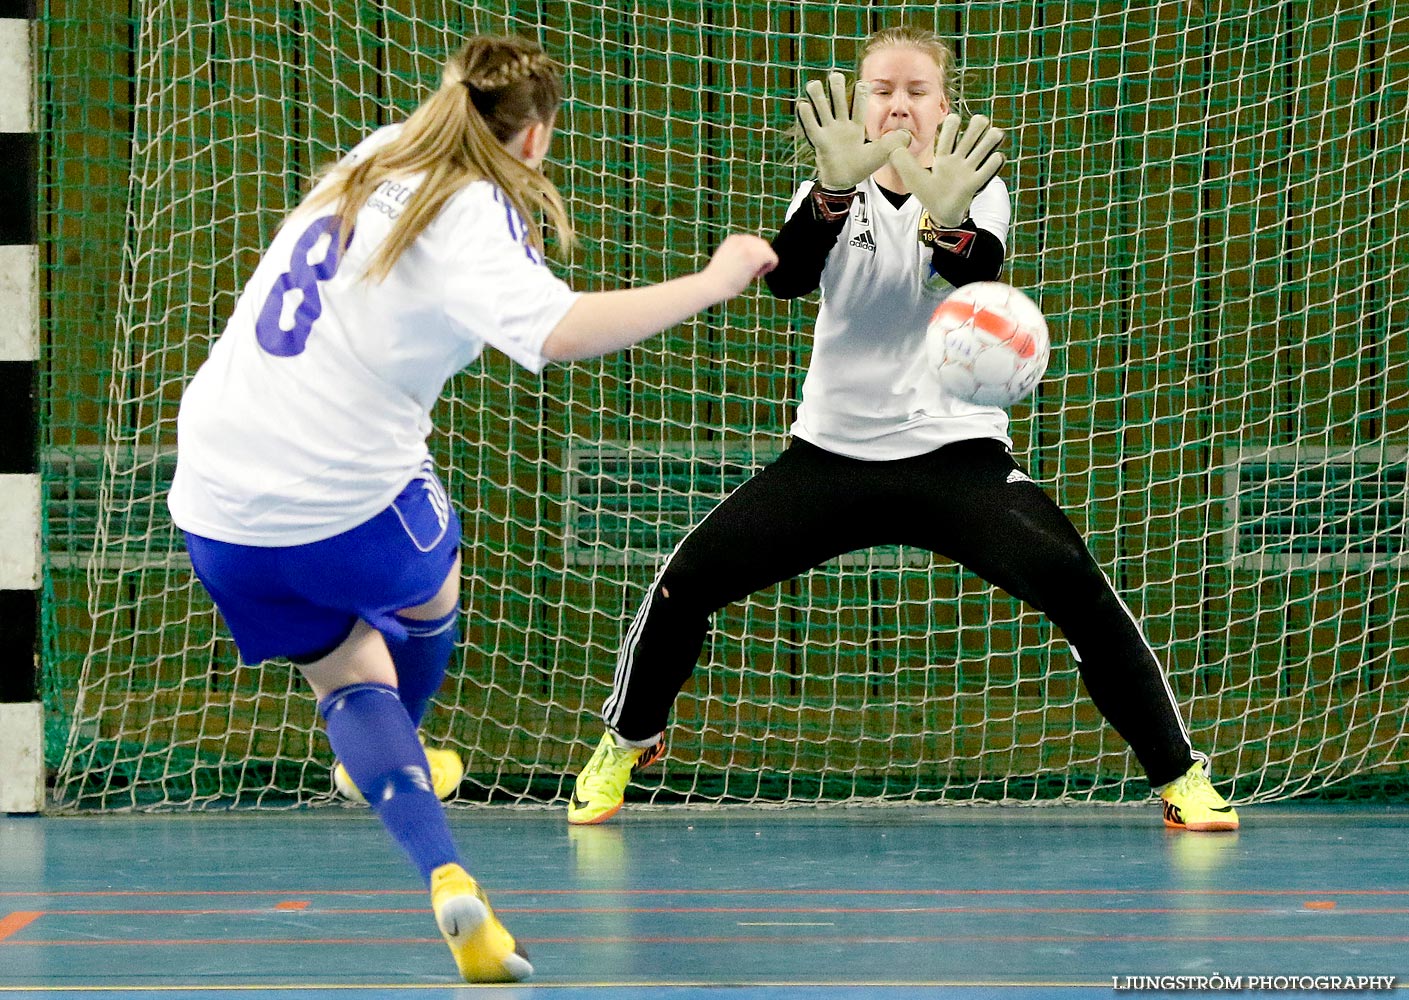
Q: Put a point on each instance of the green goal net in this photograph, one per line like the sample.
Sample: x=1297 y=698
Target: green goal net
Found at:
x=1208 y=205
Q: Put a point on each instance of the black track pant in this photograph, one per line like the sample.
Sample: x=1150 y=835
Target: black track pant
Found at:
x=968 y=502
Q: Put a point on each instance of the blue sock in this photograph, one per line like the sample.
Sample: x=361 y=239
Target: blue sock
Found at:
x=375 y=740
x=421 y=660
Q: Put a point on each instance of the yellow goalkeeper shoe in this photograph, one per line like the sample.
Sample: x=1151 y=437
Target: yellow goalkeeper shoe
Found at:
x=484 y=951
x=447 y=769
x=601 y=787
x=1191 y=803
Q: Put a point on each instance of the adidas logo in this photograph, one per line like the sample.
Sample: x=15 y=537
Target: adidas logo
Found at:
x=863 y=241
x=1018 y=476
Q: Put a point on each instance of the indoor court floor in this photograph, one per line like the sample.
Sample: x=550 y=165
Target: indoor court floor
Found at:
x=836 y=904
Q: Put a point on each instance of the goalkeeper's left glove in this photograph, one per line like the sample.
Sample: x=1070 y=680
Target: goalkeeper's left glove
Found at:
x=960 y=170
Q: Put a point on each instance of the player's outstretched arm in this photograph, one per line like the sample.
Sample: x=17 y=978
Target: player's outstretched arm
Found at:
x=603 y=322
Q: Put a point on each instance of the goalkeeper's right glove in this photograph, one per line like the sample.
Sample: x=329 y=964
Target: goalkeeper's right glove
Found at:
x=844 y=157
x=960 y=170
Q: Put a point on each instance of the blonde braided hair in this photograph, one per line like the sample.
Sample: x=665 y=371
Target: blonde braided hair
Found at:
x=523 y=66
x=491 y=90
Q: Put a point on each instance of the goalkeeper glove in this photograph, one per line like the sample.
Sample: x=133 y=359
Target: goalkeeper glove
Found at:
x=960 y=170
x=844 y=157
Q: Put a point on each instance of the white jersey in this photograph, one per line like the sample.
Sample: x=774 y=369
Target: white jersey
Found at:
x=869 y=392
x=313 y=409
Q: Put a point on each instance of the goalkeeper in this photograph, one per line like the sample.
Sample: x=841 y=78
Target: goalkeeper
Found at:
x=904 y=208
x=310 y=506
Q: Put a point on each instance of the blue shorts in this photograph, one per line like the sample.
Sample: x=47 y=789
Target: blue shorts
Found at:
x=301 y=601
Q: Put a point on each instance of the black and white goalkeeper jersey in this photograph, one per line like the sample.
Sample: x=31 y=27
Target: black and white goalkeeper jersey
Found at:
x=869 y=393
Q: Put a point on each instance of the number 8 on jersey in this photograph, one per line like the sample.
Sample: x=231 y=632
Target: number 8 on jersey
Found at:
x=303 y=276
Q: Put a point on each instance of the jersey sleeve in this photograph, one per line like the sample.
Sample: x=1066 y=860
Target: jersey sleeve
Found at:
x=991 y=210
x=802 y=245
x=498 y=289
x=799 y=196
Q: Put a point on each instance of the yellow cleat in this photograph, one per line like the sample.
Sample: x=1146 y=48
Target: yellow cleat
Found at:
x=1191 y=803
x=447 y=769
x=601 y=787
x=484 y=951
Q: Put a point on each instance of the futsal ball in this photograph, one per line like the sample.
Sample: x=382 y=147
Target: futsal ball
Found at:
x=988 y=344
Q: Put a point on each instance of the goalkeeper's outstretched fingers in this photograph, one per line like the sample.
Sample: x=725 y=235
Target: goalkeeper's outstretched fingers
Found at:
x=837 y=135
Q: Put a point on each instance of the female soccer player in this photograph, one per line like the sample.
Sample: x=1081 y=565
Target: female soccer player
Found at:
x=903 y=210
x=304 y=486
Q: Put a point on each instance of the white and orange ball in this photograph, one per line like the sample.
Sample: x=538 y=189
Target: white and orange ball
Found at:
x=988 y=344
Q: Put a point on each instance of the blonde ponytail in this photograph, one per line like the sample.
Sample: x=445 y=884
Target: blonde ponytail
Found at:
x=490 y=91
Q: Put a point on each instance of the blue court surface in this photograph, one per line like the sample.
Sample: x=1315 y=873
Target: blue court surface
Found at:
x=837 y=904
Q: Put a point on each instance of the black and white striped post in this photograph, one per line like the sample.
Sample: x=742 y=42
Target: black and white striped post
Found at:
x=21 y=710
